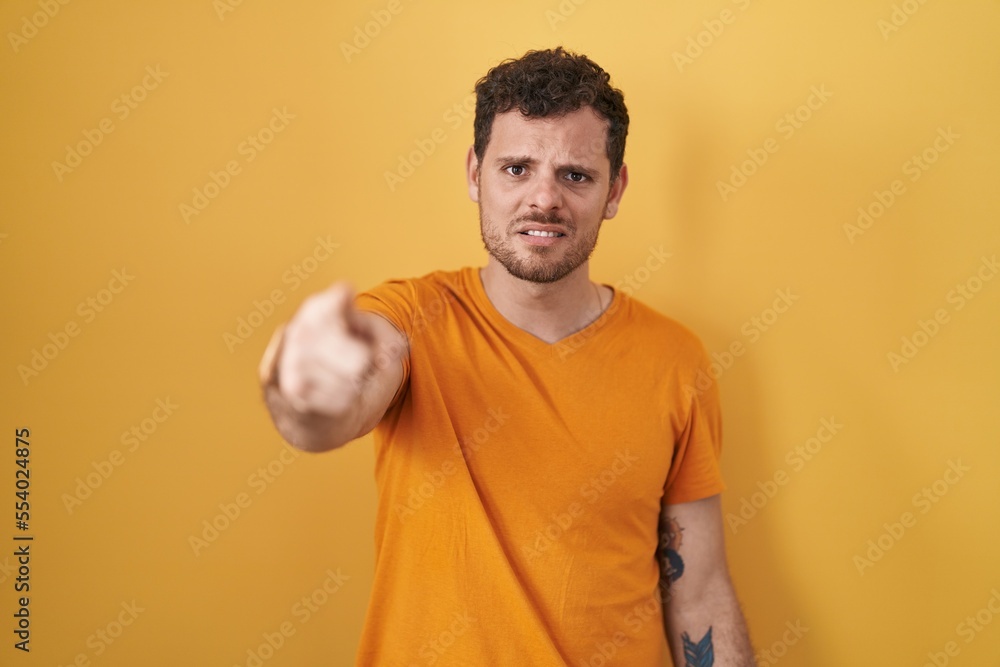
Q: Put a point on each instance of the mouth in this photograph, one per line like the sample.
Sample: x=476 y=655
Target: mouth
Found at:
x=541 y=234
x=541 y=238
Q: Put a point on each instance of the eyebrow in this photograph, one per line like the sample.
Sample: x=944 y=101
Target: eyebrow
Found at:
x=514 y=159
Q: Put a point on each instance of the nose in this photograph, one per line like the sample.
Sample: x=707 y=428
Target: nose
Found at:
x=546 y=195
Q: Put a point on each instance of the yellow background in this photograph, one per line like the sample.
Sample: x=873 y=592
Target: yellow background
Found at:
x=356 y=116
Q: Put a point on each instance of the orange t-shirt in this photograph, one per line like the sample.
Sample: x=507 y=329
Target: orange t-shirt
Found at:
x=520 y=482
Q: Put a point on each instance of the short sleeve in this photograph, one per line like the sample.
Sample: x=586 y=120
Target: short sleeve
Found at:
x=395 y=300
x=695 y=470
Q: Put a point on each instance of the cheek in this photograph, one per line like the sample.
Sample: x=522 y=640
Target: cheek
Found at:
x=496 y=203
x=589 y=211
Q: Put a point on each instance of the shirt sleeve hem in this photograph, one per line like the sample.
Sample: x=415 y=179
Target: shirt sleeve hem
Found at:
x=687 y=495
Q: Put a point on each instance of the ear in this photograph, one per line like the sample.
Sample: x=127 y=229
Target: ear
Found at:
x=472 y=174
x=615 y=193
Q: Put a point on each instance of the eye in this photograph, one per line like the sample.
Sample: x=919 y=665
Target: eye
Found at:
x=515 y=169
x=577 y=177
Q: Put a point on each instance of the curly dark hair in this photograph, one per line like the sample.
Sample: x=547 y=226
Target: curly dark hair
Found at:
x=552 y=82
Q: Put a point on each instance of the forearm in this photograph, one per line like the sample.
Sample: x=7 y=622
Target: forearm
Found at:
x=311 y=432
x=706 y=627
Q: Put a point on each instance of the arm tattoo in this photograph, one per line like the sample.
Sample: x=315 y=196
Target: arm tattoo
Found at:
x=700 y=654
x=671 y=563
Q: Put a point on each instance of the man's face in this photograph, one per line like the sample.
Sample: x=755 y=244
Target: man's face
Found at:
x=543 y=189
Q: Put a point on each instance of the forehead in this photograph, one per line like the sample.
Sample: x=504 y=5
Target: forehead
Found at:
x=580 y=135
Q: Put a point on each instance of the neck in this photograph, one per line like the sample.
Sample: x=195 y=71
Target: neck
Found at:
x=549 y=311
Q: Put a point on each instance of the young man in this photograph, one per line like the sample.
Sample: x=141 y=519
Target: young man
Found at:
x=546 y=447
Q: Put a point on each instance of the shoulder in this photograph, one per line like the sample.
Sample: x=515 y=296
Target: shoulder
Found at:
x=419 y=287
x=658 y=330
x=414 y=298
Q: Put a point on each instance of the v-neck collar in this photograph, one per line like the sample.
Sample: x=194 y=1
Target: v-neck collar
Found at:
x=515 y=333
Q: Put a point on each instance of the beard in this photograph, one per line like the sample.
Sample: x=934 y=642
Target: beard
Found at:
x=544 y=264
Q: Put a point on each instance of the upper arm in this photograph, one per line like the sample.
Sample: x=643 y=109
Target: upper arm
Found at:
x=391 y=358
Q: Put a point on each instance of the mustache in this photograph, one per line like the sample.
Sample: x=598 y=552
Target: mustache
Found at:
x=542 y=218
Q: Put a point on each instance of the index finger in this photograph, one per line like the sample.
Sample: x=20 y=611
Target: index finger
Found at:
x=341 y=295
